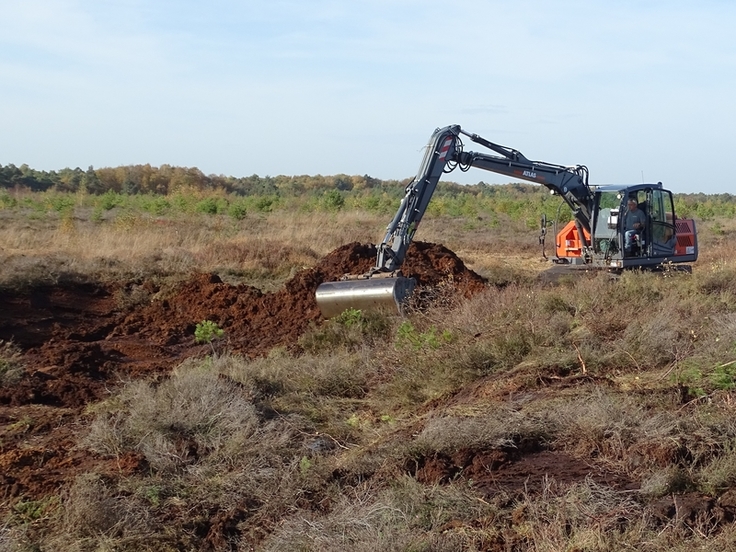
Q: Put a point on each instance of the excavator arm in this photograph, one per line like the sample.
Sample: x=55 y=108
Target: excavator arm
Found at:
x=443 y=154
x=383 y=285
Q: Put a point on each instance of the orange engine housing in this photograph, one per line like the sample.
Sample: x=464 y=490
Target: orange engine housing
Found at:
x=686 y=240
x=568 y=242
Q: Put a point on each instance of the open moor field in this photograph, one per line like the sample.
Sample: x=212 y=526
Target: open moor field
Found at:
x=504 y=412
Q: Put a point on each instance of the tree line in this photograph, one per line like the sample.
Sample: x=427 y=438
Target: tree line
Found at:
x=164 y=180
x=168 y=180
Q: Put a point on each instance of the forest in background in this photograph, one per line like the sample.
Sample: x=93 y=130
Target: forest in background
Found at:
x=168 y=188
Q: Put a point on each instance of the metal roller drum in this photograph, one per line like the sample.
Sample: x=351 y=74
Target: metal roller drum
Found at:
x=365 y=294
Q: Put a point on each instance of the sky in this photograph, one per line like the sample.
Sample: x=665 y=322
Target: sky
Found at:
x=637 y=90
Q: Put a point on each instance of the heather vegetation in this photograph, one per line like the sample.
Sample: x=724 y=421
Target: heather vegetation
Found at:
x=583 y=414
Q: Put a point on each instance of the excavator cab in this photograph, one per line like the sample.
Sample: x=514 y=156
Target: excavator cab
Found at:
x=658 y=237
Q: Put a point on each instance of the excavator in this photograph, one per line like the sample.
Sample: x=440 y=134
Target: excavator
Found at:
x=599 y=234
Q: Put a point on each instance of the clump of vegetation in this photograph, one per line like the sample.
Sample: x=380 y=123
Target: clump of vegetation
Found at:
x=189 y=416
x=11 y=363
x=208 y=331
x=351 y=330
x=408 y=336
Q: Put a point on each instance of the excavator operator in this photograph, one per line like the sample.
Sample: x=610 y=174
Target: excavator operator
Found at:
x=634 y=222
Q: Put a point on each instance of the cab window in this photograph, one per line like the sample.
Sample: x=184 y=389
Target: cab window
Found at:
x=662 y=214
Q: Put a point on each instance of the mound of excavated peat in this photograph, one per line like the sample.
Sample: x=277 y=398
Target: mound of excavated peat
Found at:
x=76 y=338
x=431 y=264
x=256 y=322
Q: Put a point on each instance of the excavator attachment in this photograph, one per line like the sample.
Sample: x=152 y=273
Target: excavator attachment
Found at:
x=374 y=293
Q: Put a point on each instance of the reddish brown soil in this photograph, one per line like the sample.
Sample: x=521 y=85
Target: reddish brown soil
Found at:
x=76 y=337
x=39 y=453
x=514 y=471
x=79 y=342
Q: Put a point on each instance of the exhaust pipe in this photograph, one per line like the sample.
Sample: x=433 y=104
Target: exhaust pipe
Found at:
x=374 y=293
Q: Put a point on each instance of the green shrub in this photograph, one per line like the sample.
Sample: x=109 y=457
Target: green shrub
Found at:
x=32 y=510
x=61 y=203
x=724 y=376
x=7 y=201
x=97 y=215
x=183 y=203
x=207 y=331
x=265 y=204
x=237 y=209
x=408 y=335
x=156 y=205
x=333 y=200
x=350 y=317
x=109 y=200
x=208 y=206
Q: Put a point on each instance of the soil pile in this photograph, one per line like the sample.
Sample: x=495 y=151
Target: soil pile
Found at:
x=256 y=322
x=76 y=337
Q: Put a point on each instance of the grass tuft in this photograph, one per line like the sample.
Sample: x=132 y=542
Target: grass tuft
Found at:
x=173 y=424
x=11 y=363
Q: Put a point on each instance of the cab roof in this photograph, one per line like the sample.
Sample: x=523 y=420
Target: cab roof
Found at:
x=626 y=188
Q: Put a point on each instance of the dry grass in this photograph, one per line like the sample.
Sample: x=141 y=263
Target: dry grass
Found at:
x=310 y=452
x=405 y=516
x=499 y=427
x=585 y=516
x=11 y=363
x=617 y=430
x=193 y=414
x=187 y=243
x=91 y=509
x=263 y=249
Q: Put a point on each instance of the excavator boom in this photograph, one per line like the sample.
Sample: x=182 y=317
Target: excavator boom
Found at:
x=384 y=286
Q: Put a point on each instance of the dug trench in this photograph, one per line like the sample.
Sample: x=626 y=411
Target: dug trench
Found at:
x=77 y=338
